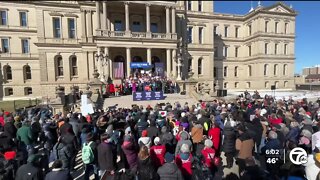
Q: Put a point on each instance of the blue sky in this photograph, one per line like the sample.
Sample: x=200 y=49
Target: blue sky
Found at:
x=307 y=45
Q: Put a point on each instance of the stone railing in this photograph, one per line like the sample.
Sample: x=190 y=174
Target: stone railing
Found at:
x=138 y=34
x=143 y=35
x=159 y=36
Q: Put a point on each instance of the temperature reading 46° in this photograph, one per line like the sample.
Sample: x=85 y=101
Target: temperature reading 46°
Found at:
x=272 y=160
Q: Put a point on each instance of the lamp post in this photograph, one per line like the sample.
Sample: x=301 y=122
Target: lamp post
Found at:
x=103 y=59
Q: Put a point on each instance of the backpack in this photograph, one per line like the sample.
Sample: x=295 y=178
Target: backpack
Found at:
x=87 y=153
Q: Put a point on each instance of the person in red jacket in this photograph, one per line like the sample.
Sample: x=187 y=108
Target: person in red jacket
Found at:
x=157 y=152
x=184 y=161
x=208 y=154
x=274 y=120
x=215 y=135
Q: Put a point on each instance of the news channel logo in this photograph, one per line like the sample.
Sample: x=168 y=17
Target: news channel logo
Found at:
x=298 y=156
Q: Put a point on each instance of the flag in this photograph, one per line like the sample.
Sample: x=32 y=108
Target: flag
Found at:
x=118 y=70
x=163 y=113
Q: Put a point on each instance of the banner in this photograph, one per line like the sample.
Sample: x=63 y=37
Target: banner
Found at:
x=143 y=65
x=148 y=95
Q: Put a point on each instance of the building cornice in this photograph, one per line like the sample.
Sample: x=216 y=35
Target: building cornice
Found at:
x=16 y=29
x=58 y=45
x=100 y=38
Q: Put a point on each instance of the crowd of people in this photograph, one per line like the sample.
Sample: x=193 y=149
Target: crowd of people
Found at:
x=165 y=142
x=142 y=82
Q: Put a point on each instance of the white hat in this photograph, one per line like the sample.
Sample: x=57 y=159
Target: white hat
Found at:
x=183 y=114
x=263 y=112
x=223 y=105
x=156 y=140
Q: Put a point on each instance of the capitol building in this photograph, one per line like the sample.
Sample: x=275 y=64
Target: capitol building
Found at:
x=45 y=44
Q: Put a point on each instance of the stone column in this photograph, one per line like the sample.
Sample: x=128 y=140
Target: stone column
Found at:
x=173 y=19
x=128 y=55
x=167 y=19
x=98 y=15
x=98 y=61
x=168 y=62
x=149 y=55
x=106 y=62
x=104 y=19
x=148 y=18
x=83 y=26
x=89 y=19
x=126 y=5
x=174 y=62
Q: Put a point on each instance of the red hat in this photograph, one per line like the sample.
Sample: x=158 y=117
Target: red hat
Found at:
x=10 y=155
x=308 y=113
x=144 y=133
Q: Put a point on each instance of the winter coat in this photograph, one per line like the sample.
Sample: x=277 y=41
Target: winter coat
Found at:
x=184 y=139
x=10 y=130
x=229 y=140
x=197 y=133
x=157 y=154
x=208 y=157
x=131 y=153
x=106 y=156
x=64 y=128
x=75 y=125
x=145 y=141
x=71 y=141
x=311 y=168
x=60 y=174
x=215 y=136
x=185 y=165
x=29 y=172
x=62 y=152
x=25 y=135
x=6 y=142
x=271 y=144
x=153 y=132
x=147 y=170
x=141 y=125
x=293 y=134
x=170 y=171
x=245 y=145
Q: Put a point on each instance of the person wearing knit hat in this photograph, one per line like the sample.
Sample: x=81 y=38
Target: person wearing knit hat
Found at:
x=144 y=139
x=208 y=153
x=30 y=170
x=184 y=162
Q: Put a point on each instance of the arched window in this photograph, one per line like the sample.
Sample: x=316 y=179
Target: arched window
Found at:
x=215 y=72
x=7 y=72
x=236 y=84
x=276 y=84
x=265 y=70
x=73 y=66
x=225 y=85
x=248 y=85
x=285 y=84
x=59 y=66
x=249 y=70
x=275 y=69
x=27 y=72
x=118 y=67
x=8 y=91
x=27 y=90
x=285 y=68
x=225 y=71
x=200 y=66
x=266 y=84
x=236 y=71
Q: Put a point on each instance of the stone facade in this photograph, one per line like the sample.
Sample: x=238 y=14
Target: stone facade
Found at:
x=62 y=42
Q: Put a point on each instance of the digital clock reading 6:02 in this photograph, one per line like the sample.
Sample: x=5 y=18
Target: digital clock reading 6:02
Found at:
x=273 y=156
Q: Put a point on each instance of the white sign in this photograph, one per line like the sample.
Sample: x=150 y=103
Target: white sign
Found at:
x=87 y=109
x=84 y=100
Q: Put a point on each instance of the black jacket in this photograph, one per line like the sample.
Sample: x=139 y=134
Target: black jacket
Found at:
x=6 y=142
x=229 y=140
x=10 y=130
x=106 y=156
x=29 y=172
x=153 y=132
x=146 y=170
x=58 y=174
x=170 y=171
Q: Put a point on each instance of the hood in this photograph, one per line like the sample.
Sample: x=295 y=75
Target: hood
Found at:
x=184 y=135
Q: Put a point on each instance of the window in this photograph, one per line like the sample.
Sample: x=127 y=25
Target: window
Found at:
x=200 y=34
x=226 y=31
x=7 y=72
x=27 y=72
x=225 y=51
x=285 y=84
x=275 y=48
x=200 y=66
x=285 y=28
x=199 y=5
x=118 y=25
x=276 y=84
x=215 y=51
x=23 y=18
x=236 y=51
x=236 y=71
x=214 y=72
x=225 y=71
x=249 y=70
x=190 y=64
x=248 y=85
x=285 y=69
x=25 y=46
x=266 y=48
x=136 y=26
x=215 y=30
x=266 y=26
x=189 y=34
x=74 y=66
x=249 y=50
x=237 y=32
x=249 y=26
x=265 y=70
x=275 y=69
x=71 y=28
x=266 y=84
x=27 y=91
x=154 y=27
x=285 y=49
x=236 y=84
x=59 y=66
x=3 y=18
x=225 y=85
x=5 y=45
x=56 y=28
x=189 y=5
x=276 y=27
x=8 y=91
